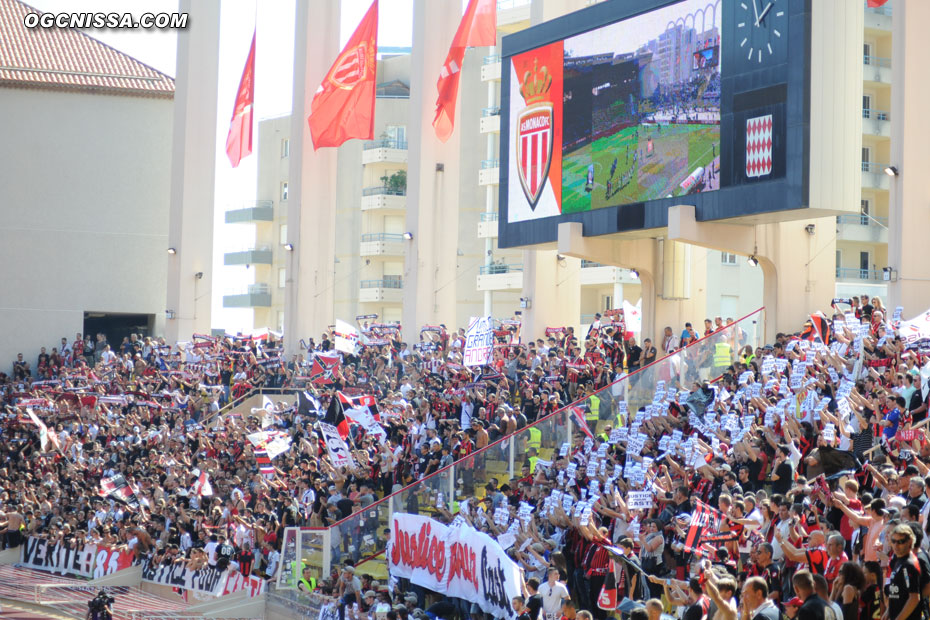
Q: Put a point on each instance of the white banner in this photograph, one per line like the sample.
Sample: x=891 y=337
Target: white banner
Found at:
x=346 y=337
x=916 y=329
x=457 y=561
x=273 y=442
x=90 y=561
x=208 y=579
x=362 y=416
x=633 y=317
x=479 y=341
x=338 y=450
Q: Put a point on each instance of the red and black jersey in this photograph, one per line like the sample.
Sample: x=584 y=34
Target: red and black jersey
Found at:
x=817 y=559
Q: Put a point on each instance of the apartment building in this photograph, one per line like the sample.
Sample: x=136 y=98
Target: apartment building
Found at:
x=862 y=240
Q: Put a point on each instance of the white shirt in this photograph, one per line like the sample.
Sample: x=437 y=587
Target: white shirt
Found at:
x=552 y=598
x=210 y=550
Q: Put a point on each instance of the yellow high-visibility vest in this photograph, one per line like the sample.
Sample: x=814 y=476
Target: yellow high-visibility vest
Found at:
x=594 y=404
x=722 y=354
x=535 y=440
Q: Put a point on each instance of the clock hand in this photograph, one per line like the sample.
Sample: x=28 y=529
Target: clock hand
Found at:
x=764 y=12
x=755 y=11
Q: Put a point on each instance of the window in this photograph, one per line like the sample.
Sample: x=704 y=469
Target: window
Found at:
x=866 y=106
x=727 y=259
x=282 y=277
x=285 y=148
x=282 y=235
x=606 y=301
x=284 y=190
x=280 y=320
x=397 y=134
x=867 y=53
x=866 y=158
x=864 y=261
x=864 y=211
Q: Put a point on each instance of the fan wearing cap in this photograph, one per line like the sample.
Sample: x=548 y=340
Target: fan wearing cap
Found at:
x=792 y=606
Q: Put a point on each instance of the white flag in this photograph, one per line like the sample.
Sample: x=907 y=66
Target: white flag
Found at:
x=202 y=486
x=633 y=316
x=346 y=337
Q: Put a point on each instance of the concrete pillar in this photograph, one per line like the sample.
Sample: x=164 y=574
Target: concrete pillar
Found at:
x=432 y=178
x=909 y=197
x=797 y=265
x=553 y=286
x=193 y=162
x=311 y=205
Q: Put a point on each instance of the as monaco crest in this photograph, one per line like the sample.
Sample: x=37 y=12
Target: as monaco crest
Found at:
x=759 y=146
x=534 y=149
x=534 y=133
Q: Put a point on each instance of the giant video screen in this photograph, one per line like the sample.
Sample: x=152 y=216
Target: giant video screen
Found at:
x=625 y=113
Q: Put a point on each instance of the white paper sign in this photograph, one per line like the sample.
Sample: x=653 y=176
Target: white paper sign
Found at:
x=639 y=500
x=479 y=341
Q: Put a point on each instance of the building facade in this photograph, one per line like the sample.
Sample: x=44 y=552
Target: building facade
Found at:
x=84 y=189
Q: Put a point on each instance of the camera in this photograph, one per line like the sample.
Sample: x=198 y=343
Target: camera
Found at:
x=100 y=607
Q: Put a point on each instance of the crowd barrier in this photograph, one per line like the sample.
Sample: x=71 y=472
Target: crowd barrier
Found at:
x=362 y=537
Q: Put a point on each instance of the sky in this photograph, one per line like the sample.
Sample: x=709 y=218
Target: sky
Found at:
x=273 y=78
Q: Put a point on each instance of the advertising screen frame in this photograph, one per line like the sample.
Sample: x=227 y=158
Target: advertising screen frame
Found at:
x=781 y=89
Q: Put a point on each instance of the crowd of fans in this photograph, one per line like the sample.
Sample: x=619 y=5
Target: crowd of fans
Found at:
x=807 y=454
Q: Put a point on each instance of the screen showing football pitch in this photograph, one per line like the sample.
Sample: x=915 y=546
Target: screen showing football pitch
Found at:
x=625 y=113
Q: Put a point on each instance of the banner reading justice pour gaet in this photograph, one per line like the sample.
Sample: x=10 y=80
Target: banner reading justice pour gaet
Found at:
x=457 y=561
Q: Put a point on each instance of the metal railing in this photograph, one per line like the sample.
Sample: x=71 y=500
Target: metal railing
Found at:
x=876 y=61
x=385 y=190
x=878 y=115
x=490 y=60
x=851 y=273
x=862 y=220
x=501 y=268
x=490 y=163
x=251 y=204
x=873 y=166
x=386 y=143
x=383 y=283
x=489 y=217
x=585 y=264
x=495 y=111
x=358 y=537
x=259 y=288
x=382 y=237
x=264 y=248
x=586 y=319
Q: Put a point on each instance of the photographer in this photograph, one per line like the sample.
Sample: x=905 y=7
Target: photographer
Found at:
x=100 y=607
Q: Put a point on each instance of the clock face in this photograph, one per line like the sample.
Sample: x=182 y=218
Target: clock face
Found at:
x=761 y=32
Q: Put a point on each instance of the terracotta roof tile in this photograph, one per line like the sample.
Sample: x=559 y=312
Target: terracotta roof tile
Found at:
x=65 y=58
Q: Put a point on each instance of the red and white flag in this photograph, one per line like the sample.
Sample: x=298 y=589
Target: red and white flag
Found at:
x=874 y=4
x=578 y=414
x=478 y=27
x=44 y=435
x=344 y=105
x=202 y=486
x=239 y=139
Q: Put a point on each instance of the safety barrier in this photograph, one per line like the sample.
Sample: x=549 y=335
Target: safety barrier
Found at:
x=362 y=537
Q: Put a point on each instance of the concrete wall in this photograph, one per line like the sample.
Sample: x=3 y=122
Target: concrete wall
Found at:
x=83 y=213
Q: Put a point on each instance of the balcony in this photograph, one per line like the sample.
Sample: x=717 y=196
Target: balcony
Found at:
x=513 y=15
x=491 y=69
x=256 y=296
x=487 y=226
x=850 y=274
x=876 y=70
x=862 y=229
x=874 y=177
x=382 y=244
x=878 y=18
x=490 y=121
x=252 y=256
x=501 y=277
x=251 y=212
x=490 y=172
x=384 y=199
x=386 y=290
x=596 y=274
x=876 y=123
x=384 y=152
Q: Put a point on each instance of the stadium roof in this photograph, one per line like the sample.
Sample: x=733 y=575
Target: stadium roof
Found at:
x=68 y=59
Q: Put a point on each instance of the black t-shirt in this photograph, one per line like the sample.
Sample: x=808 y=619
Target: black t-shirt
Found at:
x=345 y=506
x=694 y=612
x=904 y=581
x=633 y=355
x=815 y=608
x=534 y=604
x=785 y=479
